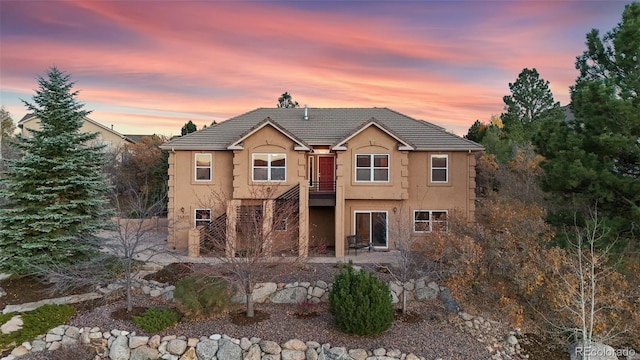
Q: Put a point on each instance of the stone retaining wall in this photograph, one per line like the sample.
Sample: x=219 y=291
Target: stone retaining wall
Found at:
x=120 y=345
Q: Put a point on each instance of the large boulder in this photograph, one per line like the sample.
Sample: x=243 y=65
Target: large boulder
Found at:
x=262 y=291
x=120 y=348
x=206 y=349
x=229 y=351
x=292 y=295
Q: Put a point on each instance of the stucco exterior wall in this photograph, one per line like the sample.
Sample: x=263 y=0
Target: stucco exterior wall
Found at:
x=373 y=141
x=265 y=141
x=186 y=194
x=409 y=186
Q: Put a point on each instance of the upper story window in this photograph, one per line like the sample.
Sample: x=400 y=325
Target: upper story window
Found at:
x=439 y=168
x=203 y=167
x=372 y=167
x=203 y=217
x=429 y=220
x=269 y=167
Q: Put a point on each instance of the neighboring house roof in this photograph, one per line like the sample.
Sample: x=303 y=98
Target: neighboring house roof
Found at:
x=136 y=138
x=568 y=113
x=28 y=117
x=325 y=126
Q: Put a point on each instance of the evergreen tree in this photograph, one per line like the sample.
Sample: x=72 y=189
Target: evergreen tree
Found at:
x=56 y=192
x=530 y=102
x=188 y=128
x=476 y=131
x=285 y=101
x=596 y=157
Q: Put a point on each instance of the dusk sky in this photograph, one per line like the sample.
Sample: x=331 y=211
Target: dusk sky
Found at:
x=150 y=66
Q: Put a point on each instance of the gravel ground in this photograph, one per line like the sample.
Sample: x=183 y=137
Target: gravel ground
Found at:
x=433 y=337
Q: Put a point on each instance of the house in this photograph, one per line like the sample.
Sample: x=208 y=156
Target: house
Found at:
x=112 y=139
x=349 y=170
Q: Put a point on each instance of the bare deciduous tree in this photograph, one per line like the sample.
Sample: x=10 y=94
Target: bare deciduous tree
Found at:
x=588 y=290
x=411 y=260
x=254 y=238
x=131 y=242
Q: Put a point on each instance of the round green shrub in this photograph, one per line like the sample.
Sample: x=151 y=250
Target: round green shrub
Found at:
x=202 y=296
x=154 y=320
x=360 y=303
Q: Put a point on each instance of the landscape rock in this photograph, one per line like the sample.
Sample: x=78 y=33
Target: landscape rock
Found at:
x=228 y=350
x=262 y=291
x=270 y=347
x=144 y=353
x=14 y=324
x=137 y=341
x=358 y=354
x=190 y=354
x=119 y=349
x=206 y=349
x=292 y=355
x=176 y=346
x=253 y=353
x=294 y=344
x=292 y=295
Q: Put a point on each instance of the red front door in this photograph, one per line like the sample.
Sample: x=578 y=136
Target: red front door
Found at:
x=326 y=173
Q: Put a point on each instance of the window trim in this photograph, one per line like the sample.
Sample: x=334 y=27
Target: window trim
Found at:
x=432 y=168
x=430 y=221
x=371 y=168
x=195 y=216
x=196 y=167
x=268 y=167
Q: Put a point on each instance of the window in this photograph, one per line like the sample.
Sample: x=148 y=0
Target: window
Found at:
x=203 y=167
x=439 y=168
x=269 y=167
x=372 y=167
x=203 y=217
x=429 y=220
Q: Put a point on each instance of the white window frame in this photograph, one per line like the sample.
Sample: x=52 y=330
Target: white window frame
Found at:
x=445 y=168
x=431 y=221
x=196 y=221
x=269 y=167
x=371 y=168
x=196 y=167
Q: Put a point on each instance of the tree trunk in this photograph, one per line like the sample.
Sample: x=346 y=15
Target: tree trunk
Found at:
x=249 y=302
x=404 y=300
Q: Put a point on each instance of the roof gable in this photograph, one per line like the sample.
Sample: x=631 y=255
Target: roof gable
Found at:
x=403 y=144
x=237 y=144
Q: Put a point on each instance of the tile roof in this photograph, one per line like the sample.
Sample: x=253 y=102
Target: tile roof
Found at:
x=325 y=126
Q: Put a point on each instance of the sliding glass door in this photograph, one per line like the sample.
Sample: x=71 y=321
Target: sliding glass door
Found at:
x=372 y=227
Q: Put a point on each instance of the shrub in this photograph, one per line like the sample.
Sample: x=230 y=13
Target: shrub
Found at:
x=154 y=320
x=360 y=303
x=37 y=322
x=202 y=296
x=305 y=308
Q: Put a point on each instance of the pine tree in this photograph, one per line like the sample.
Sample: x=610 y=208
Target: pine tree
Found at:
x=188 y=128
x=530 y=102
x=56 y=192
x=595 y=159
